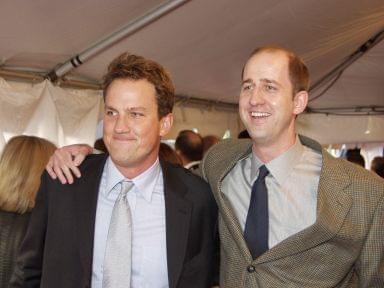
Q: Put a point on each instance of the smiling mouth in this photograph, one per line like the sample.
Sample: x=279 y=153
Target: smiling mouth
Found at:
x=123 y=139
x=260 y=114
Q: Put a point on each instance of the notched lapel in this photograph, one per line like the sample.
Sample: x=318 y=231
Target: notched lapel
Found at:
x=333 y=204
x=225 y=207
x=178 y=212
x=87 y=188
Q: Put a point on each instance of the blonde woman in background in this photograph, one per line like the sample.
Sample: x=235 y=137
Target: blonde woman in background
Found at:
x=21 y=165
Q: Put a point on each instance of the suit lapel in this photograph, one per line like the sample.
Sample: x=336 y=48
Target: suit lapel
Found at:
x=225 y=208
x=86 y=191
x=333 y=204
x=178 y=214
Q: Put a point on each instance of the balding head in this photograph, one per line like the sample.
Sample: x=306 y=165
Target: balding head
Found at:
x=298 y=71
x=189 y=145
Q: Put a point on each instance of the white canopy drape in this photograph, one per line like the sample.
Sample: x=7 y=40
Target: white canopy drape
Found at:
x=63 y=116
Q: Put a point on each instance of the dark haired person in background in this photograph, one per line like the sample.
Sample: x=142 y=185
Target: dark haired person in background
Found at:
x=377 y=166
x=209 y=141
x=354 y=156
x=167 y=153
x=189 y=146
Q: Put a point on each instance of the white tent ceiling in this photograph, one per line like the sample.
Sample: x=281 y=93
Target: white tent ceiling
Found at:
x=204 y=43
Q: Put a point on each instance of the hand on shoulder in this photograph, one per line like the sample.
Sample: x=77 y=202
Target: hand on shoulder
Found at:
x=64 y=162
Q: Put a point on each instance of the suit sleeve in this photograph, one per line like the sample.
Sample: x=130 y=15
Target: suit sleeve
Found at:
x=370 y=267
x=28 y=268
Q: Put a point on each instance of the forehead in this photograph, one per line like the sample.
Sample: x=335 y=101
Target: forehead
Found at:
x=269 y=65
x=128 y=90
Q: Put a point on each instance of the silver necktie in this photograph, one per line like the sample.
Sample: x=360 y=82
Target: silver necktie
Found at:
x=118 y=252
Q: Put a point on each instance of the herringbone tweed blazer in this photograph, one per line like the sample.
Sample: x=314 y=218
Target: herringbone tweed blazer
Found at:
x=344 y=248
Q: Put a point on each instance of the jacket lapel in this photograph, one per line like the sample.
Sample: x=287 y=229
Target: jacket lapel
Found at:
x=178 y=214
x=86 y=192
x=333 y=204
x=225 y=208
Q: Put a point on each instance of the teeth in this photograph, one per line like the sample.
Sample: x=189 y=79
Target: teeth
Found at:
x=259 y=114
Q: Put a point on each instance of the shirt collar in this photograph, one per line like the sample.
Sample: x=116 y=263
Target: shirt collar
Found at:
x=144 y=183
x=280 y=167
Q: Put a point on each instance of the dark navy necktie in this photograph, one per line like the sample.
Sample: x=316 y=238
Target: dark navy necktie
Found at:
x=256 y=225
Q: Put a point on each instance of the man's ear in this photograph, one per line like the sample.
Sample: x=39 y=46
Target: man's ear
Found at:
x=166 y=124
x=300 y=101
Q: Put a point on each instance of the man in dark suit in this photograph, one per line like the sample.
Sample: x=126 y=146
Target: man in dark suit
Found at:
x=169 y=213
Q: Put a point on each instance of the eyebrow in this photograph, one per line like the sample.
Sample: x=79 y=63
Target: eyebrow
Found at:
x=265 y=80
x=129 y=109
x=137 y=109
x=246 y=81
x=270 y=81
x=109 y=107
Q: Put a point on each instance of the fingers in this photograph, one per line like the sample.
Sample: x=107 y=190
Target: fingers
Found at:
x=57 y=168
x=64 y=174
x=49 y=168
x=77 y=160
x=64 y=161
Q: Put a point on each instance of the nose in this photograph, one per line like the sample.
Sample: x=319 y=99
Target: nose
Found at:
x=122 y=124
x=256 y=97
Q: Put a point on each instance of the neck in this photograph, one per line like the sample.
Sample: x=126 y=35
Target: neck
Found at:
x=266 y=152
x=135 y=170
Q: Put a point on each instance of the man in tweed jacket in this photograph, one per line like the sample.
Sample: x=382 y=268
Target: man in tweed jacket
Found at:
x=342 y=242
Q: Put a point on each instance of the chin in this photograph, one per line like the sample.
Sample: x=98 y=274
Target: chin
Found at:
x=258 y=136
x=120 y=155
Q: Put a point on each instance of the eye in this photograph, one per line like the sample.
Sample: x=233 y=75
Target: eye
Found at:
x=270 y=88
x=248 y=86
x=110 y=112
x=135 y=114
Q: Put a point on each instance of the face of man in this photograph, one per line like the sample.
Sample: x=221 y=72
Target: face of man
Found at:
x=267 y=105
x=132 y=129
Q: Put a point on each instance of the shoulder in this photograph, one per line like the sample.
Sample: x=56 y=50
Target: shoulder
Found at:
x=232 y=144
x=365 y=187
x=196 y=189
x=90 y=168
x=93 y=161
x=184 y=175
x=224 y=154
x=363 y=177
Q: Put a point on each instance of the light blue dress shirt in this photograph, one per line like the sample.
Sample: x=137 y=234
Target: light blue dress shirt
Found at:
x=146 y=200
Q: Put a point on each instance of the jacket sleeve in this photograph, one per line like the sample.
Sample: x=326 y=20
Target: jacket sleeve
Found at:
x=28 y=268
x=370 y=267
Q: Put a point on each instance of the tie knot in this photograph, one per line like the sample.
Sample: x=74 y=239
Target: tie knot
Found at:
x=263 y=172
x=125 y=187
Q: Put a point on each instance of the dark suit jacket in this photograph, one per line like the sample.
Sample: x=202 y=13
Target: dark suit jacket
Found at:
x=58 y=248
x=344 y=248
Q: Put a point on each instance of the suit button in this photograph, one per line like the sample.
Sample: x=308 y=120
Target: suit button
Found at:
x=251 y=268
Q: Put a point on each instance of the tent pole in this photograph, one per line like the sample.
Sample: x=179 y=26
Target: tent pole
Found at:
x=370 y=43
x=124 y=32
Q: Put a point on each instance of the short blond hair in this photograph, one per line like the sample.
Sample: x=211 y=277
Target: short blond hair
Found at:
x=21 y=164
